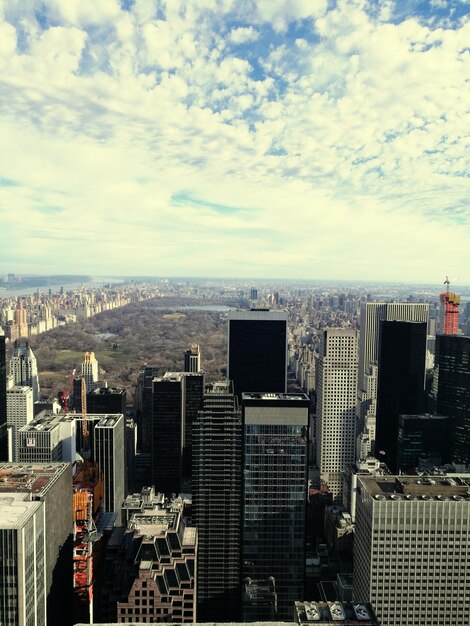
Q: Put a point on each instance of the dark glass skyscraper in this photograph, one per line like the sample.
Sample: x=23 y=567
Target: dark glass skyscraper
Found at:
x=217 y=500
x=257 y=350
x=400 y=389
x=451 y=390
x=274 y=493
x=3 y=402
x=106 y=400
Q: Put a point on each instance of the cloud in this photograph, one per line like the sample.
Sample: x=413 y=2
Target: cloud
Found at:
x=242 y=35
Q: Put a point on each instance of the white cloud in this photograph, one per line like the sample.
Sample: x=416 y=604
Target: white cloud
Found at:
x=243 y=35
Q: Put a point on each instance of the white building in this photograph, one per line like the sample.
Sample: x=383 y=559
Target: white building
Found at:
x=24 y=368
x=90 y=370
x=20 y=412
x=336 y=405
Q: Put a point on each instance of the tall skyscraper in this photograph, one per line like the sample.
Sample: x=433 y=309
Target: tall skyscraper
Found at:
x=412 y=549
x=19 y=413
x=21 y=320
x=336 y=405
x=144 y=396
x=109 y=400
x=423 y=439
x=449 y=313
x=192 y=359
x=3 y=402
x=257 y=350
x=109 y=453
x=372 y=314
x=217 y=500
x=90 y=371
x=177 y=398
x=24 y=368
x=400 y=390
x=274 y=493
x=451 y=390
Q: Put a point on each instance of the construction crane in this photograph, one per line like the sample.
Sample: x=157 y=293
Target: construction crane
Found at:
x=64 y=396
x=447 y=283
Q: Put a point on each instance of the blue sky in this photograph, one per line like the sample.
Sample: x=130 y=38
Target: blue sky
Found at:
x=277 y=138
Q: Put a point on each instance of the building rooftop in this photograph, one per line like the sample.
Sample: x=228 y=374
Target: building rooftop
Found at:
x=45 y=422
x=258 y=314
x=106 y=421
x=335 y=613
x=29 y=478
x=409 y=488
x=274 y=397
x=15 y=511
x=105 y=391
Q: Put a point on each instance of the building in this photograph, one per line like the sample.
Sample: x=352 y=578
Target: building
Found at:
x=152 y=576
x=451 y=390
x=108 y=453
x=3 y=401
x=411 y=549
x=192 y=359
x=335 y=613
x=257 y=350
x=259 y=600
x=336 y=388
x=19 y=413
x=23 y=588
x=274 y=493
x=50 y=486
x=217 y=500
x=177 y=398
x=48 y=438
x=90 y=370
x=423 y=441
x=24 y=368
x=449 y=313
x=144 y=407
x=21 y=320
x=107 y=400
x=400 y=389
x=372 y=314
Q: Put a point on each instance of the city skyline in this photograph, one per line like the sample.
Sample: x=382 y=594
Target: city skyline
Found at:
x=271 y=139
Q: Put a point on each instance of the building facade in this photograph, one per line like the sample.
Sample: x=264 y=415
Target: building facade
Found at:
x=109 y=454
x=19 y=413
x=90 y=370
x=24 y=368
x=192 y=359
x=3 y=401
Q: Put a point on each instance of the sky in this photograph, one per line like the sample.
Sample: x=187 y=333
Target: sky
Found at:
x=308 y=139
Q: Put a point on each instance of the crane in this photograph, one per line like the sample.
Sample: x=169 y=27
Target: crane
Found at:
x=447 y=282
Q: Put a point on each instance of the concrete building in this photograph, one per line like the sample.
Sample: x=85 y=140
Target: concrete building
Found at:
x=411 y=549
x=274 y=492
x=90 y=370
x=24 y=368
x=257 y=350
x=3 y=401
x=48 y=438
x=109 y=454
x=336 y=406
x=217 y=501
x=48 y=485
x=19 y=413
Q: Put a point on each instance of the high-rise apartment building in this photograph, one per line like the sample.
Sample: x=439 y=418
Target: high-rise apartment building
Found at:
x=90 y=370
x=412 y=549
x=217 y=500
x=451 y=390
x=3 y=401
x=24 y=368
x=449 y=313
x=109 y=454
x=336 y=406
x=19 y=413
x=177 y=398
x=274 y=493
x=192 y=359
x=21 y=320
x=400 y=389
x=257 y=350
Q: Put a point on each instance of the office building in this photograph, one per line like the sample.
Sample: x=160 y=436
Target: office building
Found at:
x=144 y=408
x=177 y=398
x=451 y=390
x=21 y=320
x=108 y=453
x=192 y=359
x=411 y=549
x=107 y=400
x=274 y=493
x=217 y=499
x=449 y=313
x=423 y=442
x=3 y=401
x=253 y=294
x=90 y=370
x=152 y=575
x=50 y=486
x=24 y=368
x=400 y=389
x=336 y=406
x=48 y=438
x=257 y=351
x=259 y=600
x=23 y=588
x=19 y=413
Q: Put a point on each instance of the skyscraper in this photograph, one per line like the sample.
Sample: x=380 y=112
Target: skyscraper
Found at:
x=217 y=500
x=449 y=313
x=451 y=390
x=412 y=549
x=106 y=400
x=3 y=402
x=257 y=350
x=400 y=390
x=21 y=320
x=274 y=493
x=90 y=371
x=336 y=405
x=192 y=359
x=19 y=412
x=24 y=368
